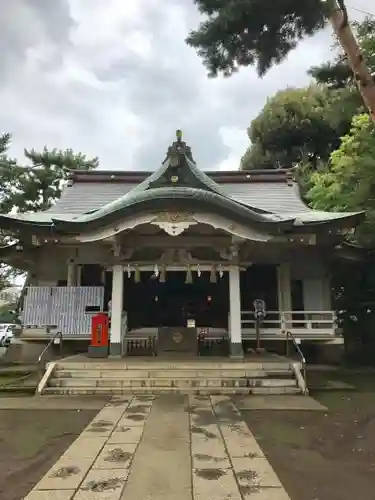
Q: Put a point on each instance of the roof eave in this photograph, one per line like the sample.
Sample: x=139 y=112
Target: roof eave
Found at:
x=10 y=223
x=164 y=199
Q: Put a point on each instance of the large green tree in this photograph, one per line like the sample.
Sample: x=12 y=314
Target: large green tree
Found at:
x=34 y=186
x=305 y=125
x=262 y=33
x=5 y=166
x=348 y=182
x=299 y=125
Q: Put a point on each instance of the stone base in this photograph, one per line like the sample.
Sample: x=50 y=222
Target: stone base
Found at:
x=115 y=350
x=98 y=351
x=177 y=341
x=236 y=350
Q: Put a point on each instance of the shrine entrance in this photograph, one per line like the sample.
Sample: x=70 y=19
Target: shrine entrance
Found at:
x=176 y=300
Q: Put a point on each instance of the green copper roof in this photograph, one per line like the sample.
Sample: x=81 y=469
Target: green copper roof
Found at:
x=176 y=185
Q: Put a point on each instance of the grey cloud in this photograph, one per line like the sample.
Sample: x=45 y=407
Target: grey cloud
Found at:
x=102 y=97
x=26 y=23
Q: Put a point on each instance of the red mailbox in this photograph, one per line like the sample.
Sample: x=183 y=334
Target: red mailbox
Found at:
x=99 y=344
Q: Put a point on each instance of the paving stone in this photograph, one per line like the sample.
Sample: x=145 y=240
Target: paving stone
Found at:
x=199 y=401
x=103 y=485
x=239 y=441
x=215 y=484
x=142 y=407
x=255 y=472
x=205 y=461
x=205 y=432
x=110 y=414
x=224 y=409
x=133 y=420
x=116 y=456
x=161 y=469
x=123 y=434
x=85 y=447
x=99 y=428
x=66 y=474
x=115 y=400
x=50 y=495
x=264 y=494
x=120 y=404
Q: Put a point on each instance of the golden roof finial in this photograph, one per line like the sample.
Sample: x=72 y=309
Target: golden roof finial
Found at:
x=179 y=135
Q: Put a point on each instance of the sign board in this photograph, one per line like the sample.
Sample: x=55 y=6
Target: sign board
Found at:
x=259 y=308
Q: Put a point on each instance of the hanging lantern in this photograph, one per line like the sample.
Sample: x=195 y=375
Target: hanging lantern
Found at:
x=213 y=274
x=129 y=271
x=137 y=275
x=221 y=272
x=156 y=271
x=199 y=272
x=189 y=276
x=162 y=275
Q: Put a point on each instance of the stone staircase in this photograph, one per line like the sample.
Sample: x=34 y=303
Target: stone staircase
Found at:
x=153 y=376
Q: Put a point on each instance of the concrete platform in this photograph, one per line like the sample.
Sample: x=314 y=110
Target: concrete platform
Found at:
x=52 y=403
x=287 y=402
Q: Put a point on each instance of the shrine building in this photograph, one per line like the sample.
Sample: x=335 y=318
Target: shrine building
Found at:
x=178 y=256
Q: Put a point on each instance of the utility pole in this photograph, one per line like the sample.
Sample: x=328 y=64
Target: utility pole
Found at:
x=338 y=17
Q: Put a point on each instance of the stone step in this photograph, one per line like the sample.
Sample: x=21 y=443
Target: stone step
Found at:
x=179 y=373
x=153 y=364
x=179 y=382
x=104 y=391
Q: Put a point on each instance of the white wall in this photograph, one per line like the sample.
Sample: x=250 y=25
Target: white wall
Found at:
x=313 y=272
x=52 y=262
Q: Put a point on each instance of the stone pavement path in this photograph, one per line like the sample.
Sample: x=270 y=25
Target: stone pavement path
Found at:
x=164 y=447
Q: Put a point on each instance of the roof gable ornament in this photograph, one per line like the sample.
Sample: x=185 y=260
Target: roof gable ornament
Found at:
x=177 y=151
x=179 y=170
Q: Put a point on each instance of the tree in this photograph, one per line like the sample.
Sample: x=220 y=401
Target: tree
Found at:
x=337 y=74
x=262 y=33
x=289 y=129
x=35 y=187
x=298 y=126
x=348 y=183
x=6 y=166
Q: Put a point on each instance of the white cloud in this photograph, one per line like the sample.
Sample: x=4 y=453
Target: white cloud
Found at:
x=114 y=79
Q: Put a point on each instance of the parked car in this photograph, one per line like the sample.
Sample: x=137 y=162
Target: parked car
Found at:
x=6 y=334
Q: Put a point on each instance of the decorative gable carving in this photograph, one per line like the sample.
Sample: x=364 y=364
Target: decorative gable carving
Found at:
x=174 y=223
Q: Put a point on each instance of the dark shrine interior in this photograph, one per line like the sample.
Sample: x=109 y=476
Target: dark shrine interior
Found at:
x=151 y=303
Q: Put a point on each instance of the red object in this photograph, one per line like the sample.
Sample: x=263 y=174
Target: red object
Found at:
x=100 y=330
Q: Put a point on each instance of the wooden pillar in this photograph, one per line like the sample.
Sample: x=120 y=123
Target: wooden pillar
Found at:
x=235 y=333
x=284 y=290
x=115 y=347
x=70 y=280
x=79 y=275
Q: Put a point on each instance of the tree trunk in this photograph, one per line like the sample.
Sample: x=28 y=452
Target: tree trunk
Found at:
x=347 y=40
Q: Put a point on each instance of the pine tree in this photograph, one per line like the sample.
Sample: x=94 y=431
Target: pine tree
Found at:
x=262 y=33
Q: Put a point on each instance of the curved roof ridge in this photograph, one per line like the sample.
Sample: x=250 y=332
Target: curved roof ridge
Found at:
x=136 y=197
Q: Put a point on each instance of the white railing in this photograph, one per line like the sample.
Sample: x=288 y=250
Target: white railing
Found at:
x=304 y=324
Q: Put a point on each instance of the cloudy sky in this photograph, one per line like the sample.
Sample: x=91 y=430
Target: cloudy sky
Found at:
x=114 y=79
